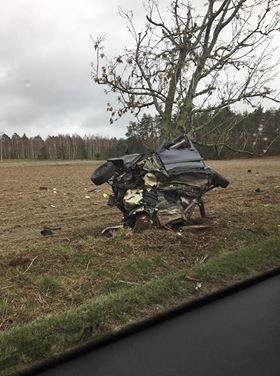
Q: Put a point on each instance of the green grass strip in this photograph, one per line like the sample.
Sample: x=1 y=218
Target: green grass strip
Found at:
x=242 y=263
x=53 y=334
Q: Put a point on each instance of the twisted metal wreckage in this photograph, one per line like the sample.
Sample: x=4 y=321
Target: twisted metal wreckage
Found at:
x=161 y=189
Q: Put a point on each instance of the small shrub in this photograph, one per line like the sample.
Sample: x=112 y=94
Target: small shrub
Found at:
x=3 y=307
x=141 y=267
x=48 y=284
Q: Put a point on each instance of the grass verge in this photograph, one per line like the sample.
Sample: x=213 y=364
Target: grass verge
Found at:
x=45 y=337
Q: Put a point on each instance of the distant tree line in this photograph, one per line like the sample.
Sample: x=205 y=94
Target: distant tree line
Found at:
x=219 y=134
x=55 y=147
x=225 y=134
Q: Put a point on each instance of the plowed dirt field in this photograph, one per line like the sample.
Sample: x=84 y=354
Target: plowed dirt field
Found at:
x=33 y=195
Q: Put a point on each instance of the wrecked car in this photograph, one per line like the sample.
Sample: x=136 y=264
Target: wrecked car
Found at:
x=160 y=189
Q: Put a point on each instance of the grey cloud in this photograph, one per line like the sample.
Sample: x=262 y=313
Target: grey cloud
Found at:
x=45 y=57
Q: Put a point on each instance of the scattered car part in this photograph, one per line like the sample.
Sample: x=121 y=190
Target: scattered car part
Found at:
x=49 y=231
x=109 y=231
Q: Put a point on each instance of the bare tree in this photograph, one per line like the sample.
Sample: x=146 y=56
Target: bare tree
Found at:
x=1 y=146
x=189 y=63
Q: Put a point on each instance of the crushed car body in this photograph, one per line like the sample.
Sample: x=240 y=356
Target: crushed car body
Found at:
x=160 y=189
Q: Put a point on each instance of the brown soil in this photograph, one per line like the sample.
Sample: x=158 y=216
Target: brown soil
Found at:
x=39 y=195
x=66 y=203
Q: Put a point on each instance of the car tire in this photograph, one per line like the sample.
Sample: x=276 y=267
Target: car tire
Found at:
x=103 y=173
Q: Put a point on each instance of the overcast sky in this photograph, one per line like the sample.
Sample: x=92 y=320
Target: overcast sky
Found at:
x=45 y=56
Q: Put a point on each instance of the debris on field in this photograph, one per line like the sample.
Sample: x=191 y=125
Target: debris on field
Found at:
x=109 y=231
x=53 y=206
x=191 y=279
x=203 y=259
x=198 y=286
x=31 y=263
x=49 y=231
x=257 y=190
x=92 y=190
x=161 y=189
x=43 y=188
x=87 y=196
x=195 y=227
x=249 y=171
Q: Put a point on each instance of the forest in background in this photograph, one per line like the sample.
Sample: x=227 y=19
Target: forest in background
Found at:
x=226 y=134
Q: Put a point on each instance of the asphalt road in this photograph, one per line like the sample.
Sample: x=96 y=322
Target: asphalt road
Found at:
x=235 y=336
